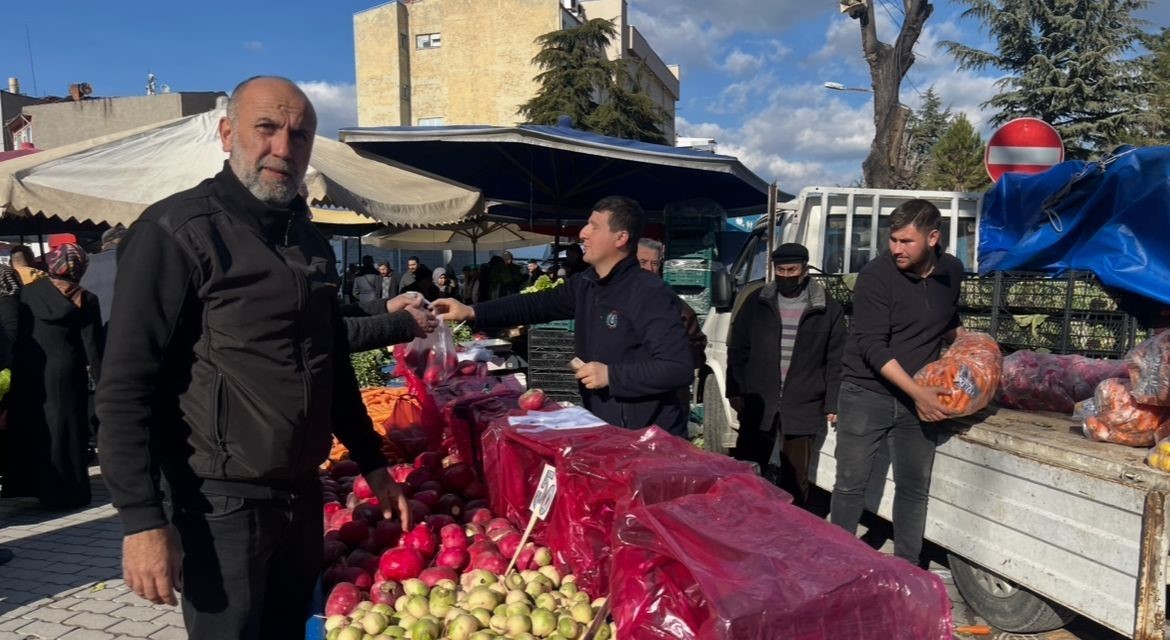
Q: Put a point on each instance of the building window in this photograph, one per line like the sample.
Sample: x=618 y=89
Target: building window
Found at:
x=430 y=122
x=403 y=41
x=427 y=41
x=405 y=92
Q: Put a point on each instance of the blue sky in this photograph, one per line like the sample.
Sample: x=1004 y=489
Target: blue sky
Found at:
x=752 y=70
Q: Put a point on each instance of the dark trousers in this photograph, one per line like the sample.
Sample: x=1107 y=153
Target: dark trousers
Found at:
x=757 y=445
x=864 y=419
x=249 y=564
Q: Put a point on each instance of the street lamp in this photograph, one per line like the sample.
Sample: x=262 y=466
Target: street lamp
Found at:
x=837 y=86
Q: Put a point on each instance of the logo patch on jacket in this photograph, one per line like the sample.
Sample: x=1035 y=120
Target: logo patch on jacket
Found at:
x=611 y=320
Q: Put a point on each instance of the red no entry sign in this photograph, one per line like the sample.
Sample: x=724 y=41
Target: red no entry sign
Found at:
x=1024 y=145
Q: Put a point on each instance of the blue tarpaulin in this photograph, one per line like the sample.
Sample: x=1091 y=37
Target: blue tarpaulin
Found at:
x=1110 y=217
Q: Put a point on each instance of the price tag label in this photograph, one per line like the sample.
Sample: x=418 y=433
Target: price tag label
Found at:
x=545 y=492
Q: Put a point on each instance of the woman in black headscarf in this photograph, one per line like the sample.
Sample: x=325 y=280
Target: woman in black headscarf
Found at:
x=9 y=318
x=60 y=334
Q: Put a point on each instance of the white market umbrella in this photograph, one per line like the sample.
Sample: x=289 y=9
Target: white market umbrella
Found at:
x=113 y=178
x=468 y=236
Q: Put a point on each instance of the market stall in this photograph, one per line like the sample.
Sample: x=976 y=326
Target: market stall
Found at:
x=535 y=519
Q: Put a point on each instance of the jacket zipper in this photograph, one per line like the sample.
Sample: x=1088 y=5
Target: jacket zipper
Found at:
x=298 y=339
x=219 y=408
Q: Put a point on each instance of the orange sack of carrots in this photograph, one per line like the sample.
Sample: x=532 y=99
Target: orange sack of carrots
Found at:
x=1149 y=370
x=970 y=369
x=391 y=409
x=1114 y=415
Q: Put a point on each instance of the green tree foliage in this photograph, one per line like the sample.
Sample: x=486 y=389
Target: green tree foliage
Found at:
x=956 y=160
x=1155 y=69
x=1067 y=62
x=578 y=80
x=926 y=126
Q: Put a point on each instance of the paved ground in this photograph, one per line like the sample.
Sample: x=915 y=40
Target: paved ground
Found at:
x=65 y=581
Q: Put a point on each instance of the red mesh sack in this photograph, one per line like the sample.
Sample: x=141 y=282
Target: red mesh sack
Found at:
x=1045 y=382
x=735 y=560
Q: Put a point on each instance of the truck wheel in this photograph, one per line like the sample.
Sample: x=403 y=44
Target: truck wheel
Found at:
x=715 y=425
x=1003 y=604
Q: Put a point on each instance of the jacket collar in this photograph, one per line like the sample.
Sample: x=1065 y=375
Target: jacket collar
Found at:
x=624 y=266
x=816 y=295
x=271 y=222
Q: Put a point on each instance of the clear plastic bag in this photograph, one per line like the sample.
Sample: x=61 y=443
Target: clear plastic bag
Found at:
x=431 y=359
x=970 y=369
x=1045 y=382
x=1149 y=370
x=1114 y=415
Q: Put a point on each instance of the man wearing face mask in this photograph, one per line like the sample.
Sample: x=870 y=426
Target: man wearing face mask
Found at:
x=784 y=369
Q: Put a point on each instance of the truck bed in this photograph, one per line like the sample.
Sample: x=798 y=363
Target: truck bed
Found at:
x=1027 y=496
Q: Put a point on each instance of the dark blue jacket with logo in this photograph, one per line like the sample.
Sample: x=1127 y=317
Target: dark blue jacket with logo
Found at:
x=629 y=320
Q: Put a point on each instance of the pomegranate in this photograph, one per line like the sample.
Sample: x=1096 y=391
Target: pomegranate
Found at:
x=453 y=537
x=429 y=498
x=385 y=592
x=401 y=563
x=433 y=575
x=367 y=511
x=334 y=551
x=428 y=460
x=474 y=490
x=532 y=400
x=453 y=558
x=509 y=544
x=342 y=599
x=449 y=504
x=436 y=522
x=387 y=533
x=400 y=472
x=364 y=560
x=478 y=516
x=418 y=510
x=345 y=469
x=358 y=577
x=354 y=532
x=361 y=488
x=421 y=539
x=493 y=562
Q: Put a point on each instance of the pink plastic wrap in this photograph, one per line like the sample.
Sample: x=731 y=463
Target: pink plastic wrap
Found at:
x=467 y=411
x=1044 y=382
x=735 y=560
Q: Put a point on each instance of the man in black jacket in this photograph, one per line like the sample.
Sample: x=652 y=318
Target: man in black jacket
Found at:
x=784 y=369
x=905 y=304
x=229 y=371
x=629 y=330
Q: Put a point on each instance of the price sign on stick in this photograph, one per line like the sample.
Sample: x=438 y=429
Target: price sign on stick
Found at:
x=546 y=490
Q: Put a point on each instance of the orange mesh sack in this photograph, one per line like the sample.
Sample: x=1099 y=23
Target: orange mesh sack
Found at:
x=1114 y=415
x=970 y=369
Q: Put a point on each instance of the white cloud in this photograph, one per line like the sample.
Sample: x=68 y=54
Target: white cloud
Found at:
x=738 y=62
x=335 y=102
x=255 y=46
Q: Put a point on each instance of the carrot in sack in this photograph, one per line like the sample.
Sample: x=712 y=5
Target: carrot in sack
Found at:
x=1116 y=416
x=1149 y=370
x=970 y=370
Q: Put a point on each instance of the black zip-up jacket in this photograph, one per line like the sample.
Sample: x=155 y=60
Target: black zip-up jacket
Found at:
x=629 y=320
x=814 y=375
x=899 y=315
x=227 y=356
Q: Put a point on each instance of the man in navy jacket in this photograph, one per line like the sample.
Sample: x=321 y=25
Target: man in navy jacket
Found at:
x=629 y=330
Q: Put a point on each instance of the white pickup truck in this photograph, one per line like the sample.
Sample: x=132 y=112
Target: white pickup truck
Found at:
x=1040 y=524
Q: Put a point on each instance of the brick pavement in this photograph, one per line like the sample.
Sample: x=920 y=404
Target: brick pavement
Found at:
x=65 y=581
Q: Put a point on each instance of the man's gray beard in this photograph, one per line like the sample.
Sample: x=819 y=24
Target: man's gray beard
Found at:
x=278 y=194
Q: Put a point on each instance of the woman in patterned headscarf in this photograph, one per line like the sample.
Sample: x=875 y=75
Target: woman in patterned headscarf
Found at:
x=61 y=334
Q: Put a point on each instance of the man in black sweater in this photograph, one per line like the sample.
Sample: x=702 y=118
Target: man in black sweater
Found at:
x=229 y=373
x=905 y=304
x=629 y=330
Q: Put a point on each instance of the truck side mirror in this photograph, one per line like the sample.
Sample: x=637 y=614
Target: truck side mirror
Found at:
x=722 y=290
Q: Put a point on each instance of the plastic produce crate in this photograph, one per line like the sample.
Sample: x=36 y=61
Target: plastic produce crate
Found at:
x=839 y=287
x=558 y=384
x=690 y=246
x=555 y=325
x=687 y=278
x=1101 y=335
x=699 y=302
x=977 y=293
x=1073 y=292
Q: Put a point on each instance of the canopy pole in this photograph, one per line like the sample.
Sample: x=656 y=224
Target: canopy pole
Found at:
x=770 y=274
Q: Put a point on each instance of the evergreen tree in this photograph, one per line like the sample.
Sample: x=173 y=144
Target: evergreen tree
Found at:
x=600 y=95
x=956 y=160
x=575 y=70
x=627 y=112
x=1155 y=69
x=1067 y=63
x=926 y=126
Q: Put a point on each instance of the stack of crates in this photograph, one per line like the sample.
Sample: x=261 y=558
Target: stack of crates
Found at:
x=691 y=280
x=550 y=348
x=690 y=250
